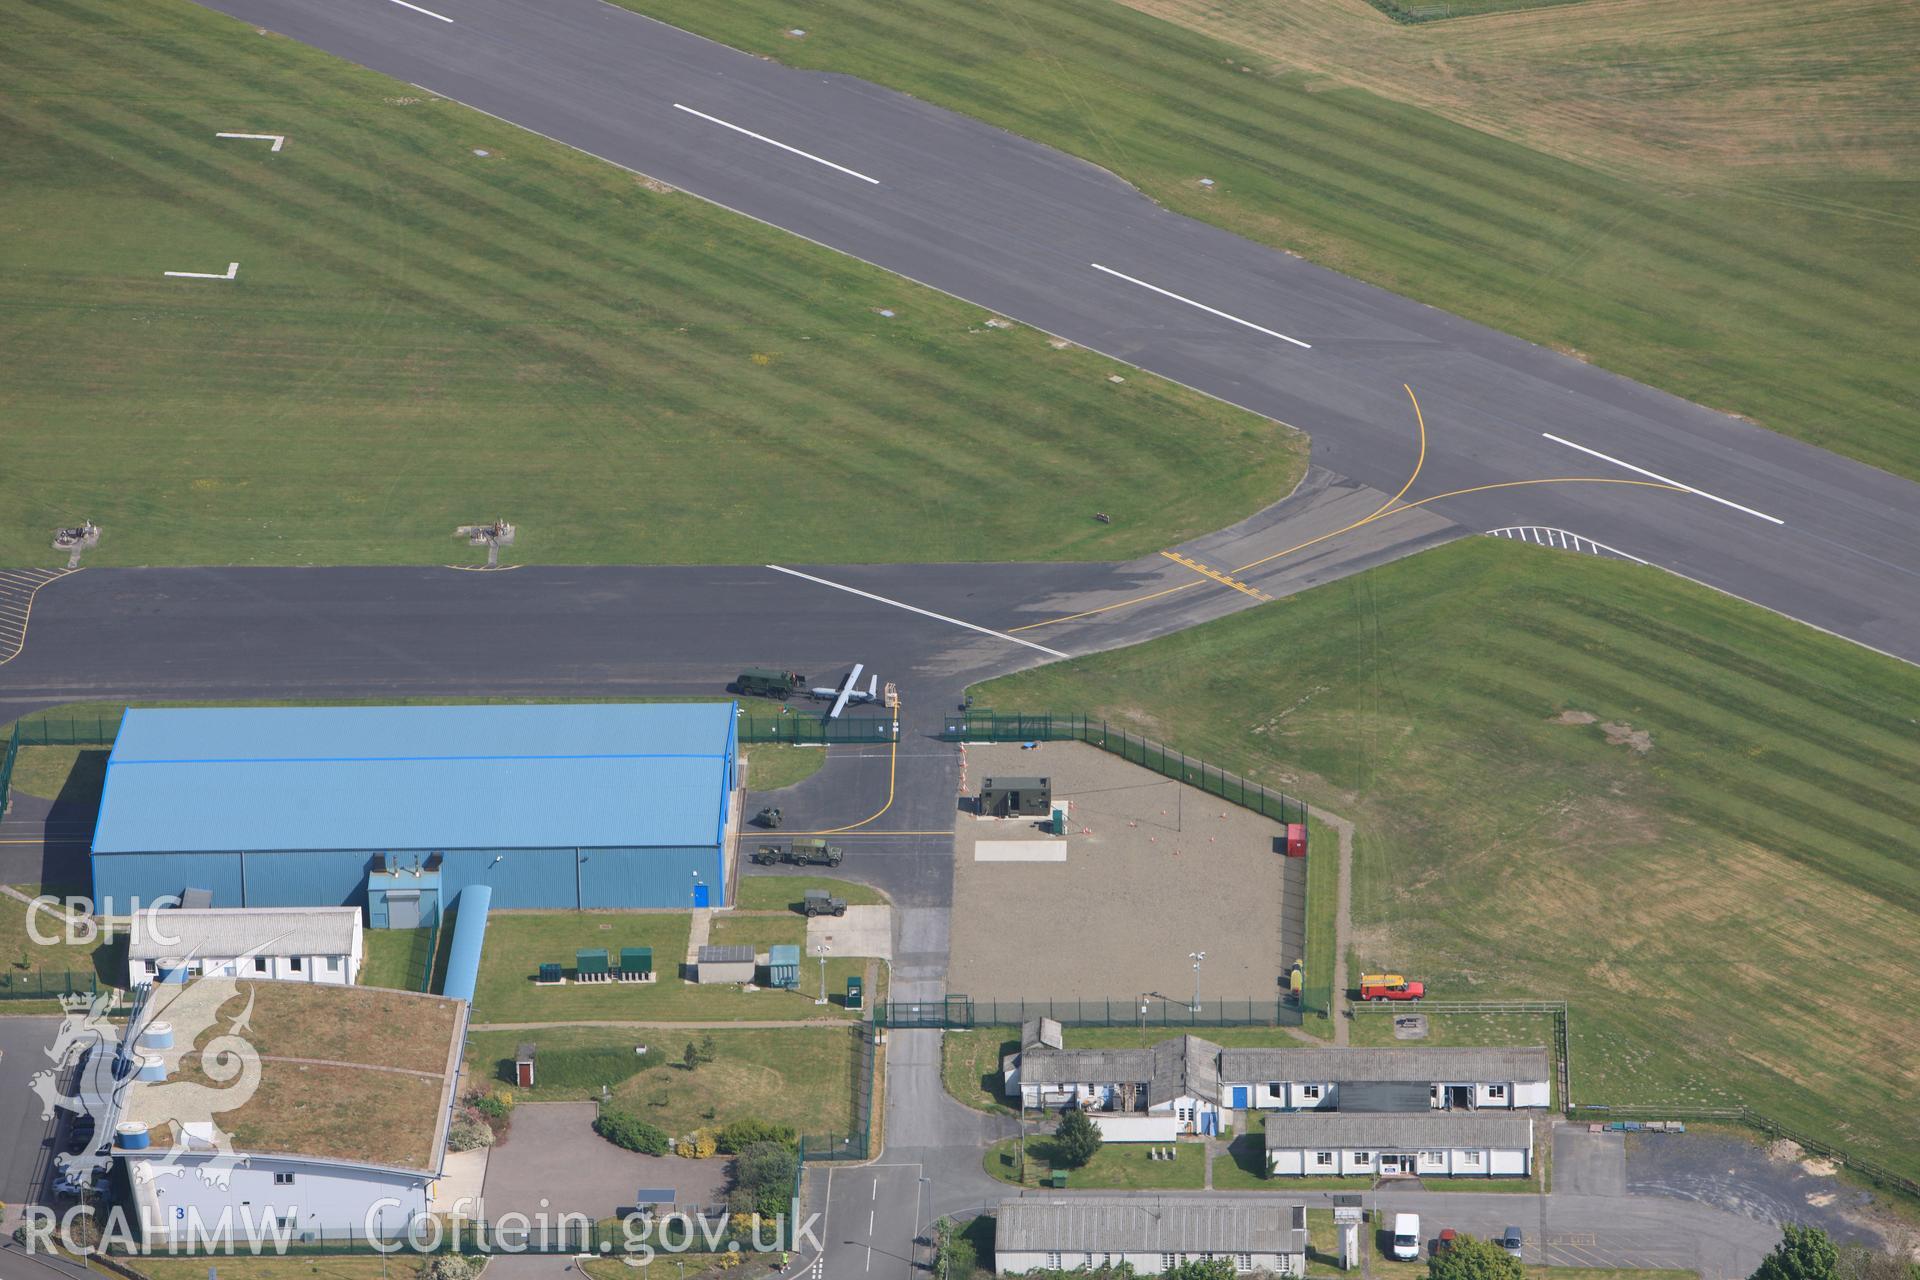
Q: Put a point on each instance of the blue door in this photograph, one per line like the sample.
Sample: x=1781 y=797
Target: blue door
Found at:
x=699 y=895
x=1239 y=1097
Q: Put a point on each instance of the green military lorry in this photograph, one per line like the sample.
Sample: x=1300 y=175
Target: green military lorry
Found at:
x=814 y=853
x=801 y=853
x=766 y=682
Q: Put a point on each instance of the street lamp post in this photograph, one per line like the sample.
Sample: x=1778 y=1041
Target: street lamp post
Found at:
x=1196 y=957
x=821 y=951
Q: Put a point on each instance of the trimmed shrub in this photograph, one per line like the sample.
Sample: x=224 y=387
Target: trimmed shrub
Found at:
x=741 y=1134
x=468 y=1132
x=449 y=1266
x=623 y=1129
x=763 y=1179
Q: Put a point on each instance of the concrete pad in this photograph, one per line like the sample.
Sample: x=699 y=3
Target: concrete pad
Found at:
x=464 y=1178
x=1020 y=851
x=551 y=1160
x=863 y=931
x=1154 y=870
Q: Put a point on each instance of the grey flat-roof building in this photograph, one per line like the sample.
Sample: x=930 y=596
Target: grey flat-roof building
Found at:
x=725 y=964
x=1151 y=1235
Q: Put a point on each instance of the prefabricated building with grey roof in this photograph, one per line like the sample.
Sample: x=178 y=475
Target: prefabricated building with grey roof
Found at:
x=1085 y=1231
x=556 y=806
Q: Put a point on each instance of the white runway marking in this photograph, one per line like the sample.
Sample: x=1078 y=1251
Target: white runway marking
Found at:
x=1654 y=475
x=1212 y=311
x=761 y=137
x=277 y=139
x=233 y=269
x=925 y=613
x=417 y=9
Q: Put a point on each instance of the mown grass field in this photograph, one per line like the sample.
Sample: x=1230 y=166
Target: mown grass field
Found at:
x=1731 y=911
x=1778 y=292
x=421 y=337
x=399 y=1266
x=797 y=1076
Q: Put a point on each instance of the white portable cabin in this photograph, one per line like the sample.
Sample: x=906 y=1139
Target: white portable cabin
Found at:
x=280 y=944
x=1424 y=1144
x=1385 y=1079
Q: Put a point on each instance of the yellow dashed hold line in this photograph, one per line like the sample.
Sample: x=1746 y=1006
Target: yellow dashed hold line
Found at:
x=1216 y=575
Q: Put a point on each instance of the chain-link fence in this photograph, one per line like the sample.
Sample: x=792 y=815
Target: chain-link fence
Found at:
x=993 y=726
x=85 y=731
x=1151 y=1012
x=816 y=730
x=857 y=1142
x=49 y=985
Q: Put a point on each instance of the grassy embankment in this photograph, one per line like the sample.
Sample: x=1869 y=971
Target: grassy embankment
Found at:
x=1584 y=779
x=1745 y=241
x=421 y=336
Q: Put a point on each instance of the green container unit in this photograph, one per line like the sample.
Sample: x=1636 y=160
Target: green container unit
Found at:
x=856 y=992
x=636 y=964
x=592 y=966
x=551 y=975
x=783 y=966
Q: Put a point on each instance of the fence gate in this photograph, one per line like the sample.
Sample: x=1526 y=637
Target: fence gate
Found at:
x=950 y=1013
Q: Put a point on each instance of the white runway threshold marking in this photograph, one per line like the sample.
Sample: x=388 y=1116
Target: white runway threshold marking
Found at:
x=278 y=140
x=772 y=142
x=1212 y=311
x=417 y=9
x=925 y=613
x=1655 y=475
x=233 y=269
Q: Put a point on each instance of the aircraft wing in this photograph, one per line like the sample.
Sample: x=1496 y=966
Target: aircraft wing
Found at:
x=847 y=690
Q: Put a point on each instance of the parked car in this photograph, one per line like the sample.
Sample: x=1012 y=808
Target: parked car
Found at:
x=1510 y=1241
x=1443 y=1243
x=1406 y=1236
x=79 y=1135
x=67 y=1185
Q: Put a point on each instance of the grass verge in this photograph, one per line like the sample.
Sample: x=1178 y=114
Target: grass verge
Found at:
x=773 y=765
x=801 y=1076
x=784 y=893
x=1590 y=779
x=1122 y=1166
x=397 y=958
x=440 y=319
x=1781 y=295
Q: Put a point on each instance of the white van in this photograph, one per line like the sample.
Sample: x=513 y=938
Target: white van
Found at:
x=1406 y=1236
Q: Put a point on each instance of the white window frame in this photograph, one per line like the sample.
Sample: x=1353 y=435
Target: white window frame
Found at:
x=294 y=963
x=333 y=964
x=282 y=1179
x=260 y=964
x=1364 y=1158
x=1310 y=1091
x=1053 y=1260
x=1472 y=1159
x=1323 y=1159
x=1243 y=1262
x=152 y=968
x=1496 y=1091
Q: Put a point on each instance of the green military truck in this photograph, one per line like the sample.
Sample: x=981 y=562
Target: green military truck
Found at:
x=814 y=853
x=801 y=853
x=767 y=682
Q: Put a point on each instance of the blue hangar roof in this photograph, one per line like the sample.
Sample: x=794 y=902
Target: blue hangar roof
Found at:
x=380 y=778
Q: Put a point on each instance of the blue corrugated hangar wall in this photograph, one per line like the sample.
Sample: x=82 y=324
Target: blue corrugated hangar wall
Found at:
x=546 y=805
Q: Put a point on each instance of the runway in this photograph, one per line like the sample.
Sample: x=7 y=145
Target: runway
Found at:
x=1519 y=434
